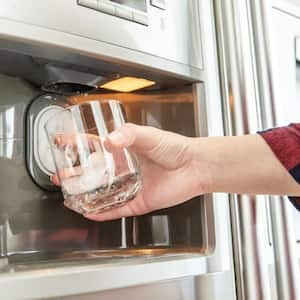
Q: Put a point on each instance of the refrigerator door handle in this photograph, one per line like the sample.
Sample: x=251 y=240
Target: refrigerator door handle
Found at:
x=241 y=113
x=297 y=49
x=286 y=262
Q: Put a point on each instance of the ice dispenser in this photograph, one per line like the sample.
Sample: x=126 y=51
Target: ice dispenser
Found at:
x=35 y=226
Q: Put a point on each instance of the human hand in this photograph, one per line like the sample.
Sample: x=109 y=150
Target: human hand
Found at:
x=168 y=165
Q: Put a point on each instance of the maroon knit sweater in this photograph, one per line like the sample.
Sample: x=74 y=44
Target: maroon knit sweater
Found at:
x=285 y=143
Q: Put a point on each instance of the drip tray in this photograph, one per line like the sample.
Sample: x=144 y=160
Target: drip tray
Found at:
x=19 y=263
x=102 y=255
x=170 y=232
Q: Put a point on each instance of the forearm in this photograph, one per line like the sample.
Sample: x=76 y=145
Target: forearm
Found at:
x=243 y=164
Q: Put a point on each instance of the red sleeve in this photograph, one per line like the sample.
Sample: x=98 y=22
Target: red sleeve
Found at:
x=285 y=143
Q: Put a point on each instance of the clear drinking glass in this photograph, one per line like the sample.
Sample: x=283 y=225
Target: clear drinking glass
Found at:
x=92 y=178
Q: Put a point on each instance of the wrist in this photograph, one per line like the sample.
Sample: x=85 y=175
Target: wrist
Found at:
x=204 y=165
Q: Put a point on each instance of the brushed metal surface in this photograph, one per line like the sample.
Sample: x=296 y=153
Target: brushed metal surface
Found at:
x=86 y=274
x=15 y=94
x=96 y=277
x=283 y=88
x=180 y=289
x=240 y=91
x=57 y=45
x=213 y=286
x=160 y=38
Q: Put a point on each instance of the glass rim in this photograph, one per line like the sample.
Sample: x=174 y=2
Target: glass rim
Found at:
x=70 y=107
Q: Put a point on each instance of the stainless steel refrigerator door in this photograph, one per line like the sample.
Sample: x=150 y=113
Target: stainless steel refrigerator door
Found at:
x=209 y=276
x=248 y=92
x=286 y=33
x=65 y=21
x=286 y=267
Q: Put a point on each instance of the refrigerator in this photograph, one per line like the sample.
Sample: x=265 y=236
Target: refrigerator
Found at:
x=220 y=68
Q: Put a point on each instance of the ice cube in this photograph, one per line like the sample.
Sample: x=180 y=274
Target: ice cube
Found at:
x=94 y=175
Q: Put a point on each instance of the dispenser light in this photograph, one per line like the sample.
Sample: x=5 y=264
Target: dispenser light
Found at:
x=127 y=84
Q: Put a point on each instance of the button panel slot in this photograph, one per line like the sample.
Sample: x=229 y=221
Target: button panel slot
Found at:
x=117 y=10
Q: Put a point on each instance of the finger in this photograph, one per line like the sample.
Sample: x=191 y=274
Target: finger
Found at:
x=138 y=138
x=113 y=214
x=133 y=208
x=71 y=139
x=55 y=179
x=65 y=173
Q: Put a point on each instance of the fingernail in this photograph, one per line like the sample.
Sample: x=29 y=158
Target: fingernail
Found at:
x=117 y=138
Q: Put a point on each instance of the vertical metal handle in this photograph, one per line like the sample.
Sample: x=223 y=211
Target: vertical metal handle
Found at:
x=3 y=243
x=286 y=263
x=241 y=111
x=298 y=49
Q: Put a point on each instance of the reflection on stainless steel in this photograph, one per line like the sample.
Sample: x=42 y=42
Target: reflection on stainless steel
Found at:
x=241 y=106
x=123 y=233
x=7 y=148
x=135 y=231
x=196 y=235
x=32 y=260
x=286 y=260
x=15 y=94
x=3 y=238
x=161 y=230
x=7 y=117
x=287 y=263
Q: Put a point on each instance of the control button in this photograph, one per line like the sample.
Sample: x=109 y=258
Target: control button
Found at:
x=106 y=8
x=124 y=13
x=140 y=18
x=89 y=3
x=159 y=3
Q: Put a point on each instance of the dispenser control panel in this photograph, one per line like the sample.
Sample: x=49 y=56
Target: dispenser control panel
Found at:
x=132 y=10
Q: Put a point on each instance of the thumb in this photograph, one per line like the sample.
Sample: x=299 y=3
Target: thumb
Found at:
x=139 y=138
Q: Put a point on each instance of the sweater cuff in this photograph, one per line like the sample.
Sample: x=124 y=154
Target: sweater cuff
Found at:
x=285 y=144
